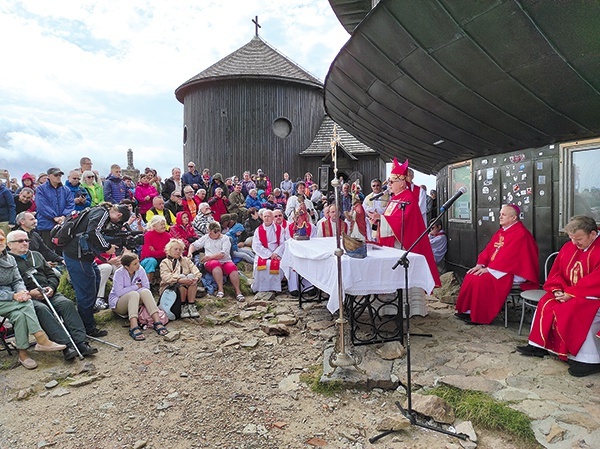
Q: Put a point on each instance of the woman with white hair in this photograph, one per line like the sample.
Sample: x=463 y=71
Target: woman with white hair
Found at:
x=178 y=271
x=93 y=186
x=203 y=219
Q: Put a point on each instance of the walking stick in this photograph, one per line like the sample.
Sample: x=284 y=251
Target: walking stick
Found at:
x=30 y=274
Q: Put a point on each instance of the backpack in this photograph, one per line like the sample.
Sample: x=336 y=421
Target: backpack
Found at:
x=64 y=232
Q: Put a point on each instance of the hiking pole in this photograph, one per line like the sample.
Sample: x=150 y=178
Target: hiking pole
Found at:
x=107 y=343
x=30 y=274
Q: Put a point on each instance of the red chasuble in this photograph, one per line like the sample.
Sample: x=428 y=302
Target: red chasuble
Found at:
x=413 y=228
x=562 y=327
x=327 y=228
x=511 y=251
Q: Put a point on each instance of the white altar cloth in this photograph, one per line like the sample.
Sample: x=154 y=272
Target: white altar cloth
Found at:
x=314 y=260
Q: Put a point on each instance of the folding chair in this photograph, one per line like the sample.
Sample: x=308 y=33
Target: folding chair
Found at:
x=531 y=298
x=4 y=334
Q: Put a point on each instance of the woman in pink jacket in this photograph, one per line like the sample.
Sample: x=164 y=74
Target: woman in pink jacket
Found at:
x=145 y=193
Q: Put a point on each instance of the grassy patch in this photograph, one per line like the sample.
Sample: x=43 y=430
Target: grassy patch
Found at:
x=484 y=411
x=313 y=379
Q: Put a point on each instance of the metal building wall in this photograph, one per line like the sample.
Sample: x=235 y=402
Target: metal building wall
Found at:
x=528 y=178
x=230 y=126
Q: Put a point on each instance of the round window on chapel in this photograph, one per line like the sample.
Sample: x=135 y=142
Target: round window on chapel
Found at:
x=282 y=127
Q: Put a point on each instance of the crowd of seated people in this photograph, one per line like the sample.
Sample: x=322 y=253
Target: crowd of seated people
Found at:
x=196 y=227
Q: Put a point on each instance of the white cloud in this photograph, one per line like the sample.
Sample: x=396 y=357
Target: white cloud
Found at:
x=97 y=77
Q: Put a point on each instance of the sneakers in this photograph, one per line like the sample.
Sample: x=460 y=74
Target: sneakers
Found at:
x=185 y=311
x=97 y=333
x=193 y=310
x=580 y=369
x=532 y=351
x=100 y=305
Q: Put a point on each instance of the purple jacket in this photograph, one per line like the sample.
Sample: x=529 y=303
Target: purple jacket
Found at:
x=115 y=190
x=123 y=284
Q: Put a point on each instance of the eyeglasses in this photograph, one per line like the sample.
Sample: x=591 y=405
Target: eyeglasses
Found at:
x=90 y=177
x=188 y=193
x=376 y=185
x=76 y=179
x=19 y=241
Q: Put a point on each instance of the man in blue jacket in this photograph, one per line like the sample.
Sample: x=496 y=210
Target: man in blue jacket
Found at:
x=8 y=210
x=80 y=195
x=54 y=202
x=192 y=177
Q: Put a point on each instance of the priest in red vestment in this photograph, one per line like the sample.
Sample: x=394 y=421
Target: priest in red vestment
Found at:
x=400 y=229
x=326 y=226
x=510 y=257
x=567 y=318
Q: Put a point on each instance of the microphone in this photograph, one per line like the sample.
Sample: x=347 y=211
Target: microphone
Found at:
x=451 y=201
x=376 y=197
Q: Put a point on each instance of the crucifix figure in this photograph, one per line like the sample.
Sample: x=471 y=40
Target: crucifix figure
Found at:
x=256 y=25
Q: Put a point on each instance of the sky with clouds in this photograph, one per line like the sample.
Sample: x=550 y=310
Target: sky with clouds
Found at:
x=94 y=78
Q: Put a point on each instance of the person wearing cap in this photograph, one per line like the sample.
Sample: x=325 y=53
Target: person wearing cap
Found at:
x=206 y=180
x=191 y=178
x=54 y=201
x=400 y=228
x=79 y=255
x=510 y=257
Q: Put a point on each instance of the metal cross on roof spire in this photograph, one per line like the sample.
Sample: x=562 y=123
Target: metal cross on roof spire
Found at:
x=256 y=25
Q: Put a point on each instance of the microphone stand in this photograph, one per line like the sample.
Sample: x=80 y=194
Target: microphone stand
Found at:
x=409 y=413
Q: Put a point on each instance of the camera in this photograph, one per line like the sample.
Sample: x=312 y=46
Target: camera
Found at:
x=125 y=237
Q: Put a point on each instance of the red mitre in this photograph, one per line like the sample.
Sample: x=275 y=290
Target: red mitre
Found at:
x=399 y=170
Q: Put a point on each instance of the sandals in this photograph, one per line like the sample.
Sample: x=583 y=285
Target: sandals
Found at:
x=220 y=294
x=240 y=298
x=160 y=328
x=136 y=333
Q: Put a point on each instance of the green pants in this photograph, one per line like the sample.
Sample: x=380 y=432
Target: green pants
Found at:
x=22 y=317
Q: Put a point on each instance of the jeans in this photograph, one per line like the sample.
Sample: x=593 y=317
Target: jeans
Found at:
x=85 y=278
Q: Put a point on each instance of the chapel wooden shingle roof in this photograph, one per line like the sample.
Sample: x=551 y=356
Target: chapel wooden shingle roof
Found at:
x=256 y=59
x=321 y=144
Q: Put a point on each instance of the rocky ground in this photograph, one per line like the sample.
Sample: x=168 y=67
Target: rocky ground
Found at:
x=226 y=383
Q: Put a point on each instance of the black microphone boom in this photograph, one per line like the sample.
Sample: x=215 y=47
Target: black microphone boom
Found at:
x=451 y=201
x=376 y=197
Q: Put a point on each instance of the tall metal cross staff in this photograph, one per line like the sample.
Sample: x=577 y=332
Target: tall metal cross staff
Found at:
x=339 y=356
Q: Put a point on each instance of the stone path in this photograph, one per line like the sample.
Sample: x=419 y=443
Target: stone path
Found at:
x=565 y=410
